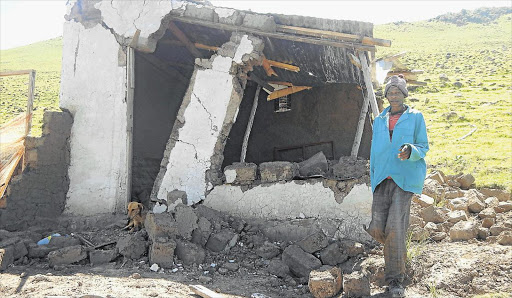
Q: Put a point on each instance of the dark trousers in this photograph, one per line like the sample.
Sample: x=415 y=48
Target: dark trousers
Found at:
x=390 y=221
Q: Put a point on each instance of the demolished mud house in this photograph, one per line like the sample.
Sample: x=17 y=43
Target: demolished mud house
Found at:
x=173 y=102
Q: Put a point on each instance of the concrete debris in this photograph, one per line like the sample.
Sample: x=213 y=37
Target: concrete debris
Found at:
x=314 y=242
x=240 y=173
x=333 y=255
x=67 y=255
x=99 y=257
x=475 y=205
x=268 y=250
x=351 y=248
x=463 y=230
x=433 y=214
x=64 y=241
x=350 y=168
x=323 y=284
x=154 y=267
x=189 y=253
x=221 y=241
x=314 y=166
x=423 y=200
x=132 y=246
x=456 y=216
x=487 y=213
x=300 y=262
x=491 y=202
x=202 y=233
x=465 y=180
x=176 y=197
x=278 y=171
x=458 y=204
x=160 y=225
x=161 y=252
x=278 y=268
x=186 y=221
x=356 y=284
x=39 y=251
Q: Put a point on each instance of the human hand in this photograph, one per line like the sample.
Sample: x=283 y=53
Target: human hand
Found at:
x=405 y=152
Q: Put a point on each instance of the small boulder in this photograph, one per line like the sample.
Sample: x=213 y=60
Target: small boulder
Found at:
x=278 y=268
x=325 y=283
x=314 y=242
x=438 y=236
x=99 y=257
x=314 y=166
x=502 y=195
x=503 y=207
x=222 y=240
x=463 y=230
x=132 y=246
x=351 y=248
x=423 y=200
x=475 y=205
x=488 y=222
x=268 y=250
x=419 y=234
x=465 y=180
x=505 y=238
x=356 y=284
x=473 y=193
x=433 y=214
x=491 y=202
x=483 y=233
x=416 y=220
x=460 y=203
x=161 y=252
x=300 y=262
x=487 y=213
x=186 y=221
x=456 y=216
x=498 y=229
x=333 y=255
x=160 y=225
x=189 y=253
x=67 y=255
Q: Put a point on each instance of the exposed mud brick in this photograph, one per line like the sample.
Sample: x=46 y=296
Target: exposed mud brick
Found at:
x=349 y=168
x=438 y=236
x=240 y=173
x=67 y=255
x=63 y=241
x=6 y=257
x=300 y=262
x=498 y=193
x=39 y=251
x=376 y=269
x=260 y=22
x=466 y=181
x=491 y=202
x=423 y=200
x=483 y=233
x=438 y=176
x=160 y=225
x=99 y=257
x=456 y=216
x=278 y=171
x=212 y=215
x=221 y=240
x=324 y=284
x=463 y=230
x=186 y=221
x=475 y=205
x=488 y=222
x=433 y=214
x=268 y=250
x=314 y=242
x=505 y=238
x=458 y=204
x=132 y=246
x=189 y=253
x=356 y=285
x=487 y=213
x=161 y=252
x=416 y=220
x=315 y=165
x=278 y=268
x=433 y=189
x=351 y=248
x=419 y=234
x=292 y=231
x=202 y=233
x=473 y=193
x=498 y=229
x=333 y=255
x=503 y=207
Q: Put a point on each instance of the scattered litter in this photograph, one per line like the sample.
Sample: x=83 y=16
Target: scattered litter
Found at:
x=213 y=265
x=259 y=295
x=174 y=270
x=231 y=261
x=46 y=240
x=301 y=215
x=154 y=267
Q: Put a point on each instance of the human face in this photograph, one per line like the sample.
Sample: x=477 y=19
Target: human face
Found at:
x=395 y=98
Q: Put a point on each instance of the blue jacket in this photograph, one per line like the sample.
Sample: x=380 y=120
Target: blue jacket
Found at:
x=410 y=129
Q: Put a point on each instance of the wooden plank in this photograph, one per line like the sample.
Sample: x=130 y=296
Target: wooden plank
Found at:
x=15 y=72
x=280 y=83
x=282 y=65
x=206 y=47
x=360 y=127
x=13 y=163
x=184 y=39
x=205 y=292
x=30 y=102
x=334 y=35
x=286 y=91
x=368 y=83
x=268 y=69
x=130 y=99
x=249 y=124
x=279 y=35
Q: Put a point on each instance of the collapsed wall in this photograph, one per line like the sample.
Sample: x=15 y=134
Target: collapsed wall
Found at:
x=38 y=194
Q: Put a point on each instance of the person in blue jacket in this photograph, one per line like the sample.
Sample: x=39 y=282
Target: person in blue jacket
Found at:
x=397 y=171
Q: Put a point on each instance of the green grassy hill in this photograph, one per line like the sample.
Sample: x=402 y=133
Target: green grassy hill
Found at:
x=476 y=55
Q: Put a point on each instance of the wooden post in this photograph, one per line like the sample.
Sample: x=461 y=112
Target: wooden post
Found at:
x=130 y=94
x=184 y=39
x=368 y=82
x=30 y=102
x=360 y=126
x=249 y=124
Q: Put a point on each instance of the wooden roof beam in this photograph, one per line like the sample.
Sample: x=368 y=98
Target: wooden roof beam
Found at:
x=184 y=39
x=286 y=91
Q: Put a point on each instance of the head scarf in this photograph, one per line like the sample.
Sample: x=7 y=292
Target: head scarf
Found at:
x=399 y=82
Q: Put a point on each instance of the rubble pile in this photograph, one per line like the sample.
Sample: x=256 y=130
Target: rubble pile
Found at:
x=451 y=209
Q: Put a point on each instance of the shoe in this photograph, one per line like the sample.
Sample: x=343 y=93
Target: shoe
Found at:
x=396 y=290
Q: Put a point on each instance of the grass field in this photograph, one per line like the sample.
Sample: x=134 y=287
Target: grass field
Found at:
x=479 y=56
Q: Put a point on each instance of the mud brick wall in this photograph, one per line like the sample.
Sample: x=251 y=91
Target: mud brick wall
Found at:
x=39 y=193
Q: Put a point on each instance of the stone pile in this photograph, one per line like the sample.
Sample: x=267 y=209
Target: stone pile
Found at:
x=451 y=208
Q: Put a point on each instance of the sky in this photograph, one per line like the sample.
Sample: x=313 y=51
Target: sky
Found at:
x=25 y=22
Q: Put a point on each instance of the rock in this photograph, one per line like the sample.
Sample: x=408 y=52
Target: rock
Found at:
x=423 y=200
x=503 y=207
x=220 y=241
x=475 y=205
x=6 y=257
x=333 y=255
x=456 y=216
x=433 y=189
x=98 y=257
x=458 y=84
x=160 y=225
x=67 y=255
x=459 y=204
x=463 y=230
x=161 y=252
x=491 y=239
x=473 y=193
x=431 y=227
x=416 y=220
x=202 y=233
x=452 y=193
x=438 y=236
x=39 y=251
x=20 y=250
x=315 y=165
x=356 y=285
x=483 y=233
x=349 y=168
x=300 y=262
x=260 y=22
x=268 y=250
x=487 y=213
x=278 y=268
x=376 y=270
x=186 y=221
x=240 y=173
x=351 y=248
x=505 y=238
x=189 y=253
x=278 y=171
x=132 y=246
x=498 y=229
x=498 y=193
x=488 y=222
x=205 y=279
x=438 y=176
x=314 y=242
x=419 y=234
x=323 y=284
x=63 y=241
x=465 y=180
x=491 y=202
x=443 y=77
x=174 y=197
x=231 y=266
x=433 y=214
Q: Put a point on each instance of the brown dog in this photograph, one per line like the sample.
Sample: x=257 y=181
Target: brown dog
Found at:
x=136 y=218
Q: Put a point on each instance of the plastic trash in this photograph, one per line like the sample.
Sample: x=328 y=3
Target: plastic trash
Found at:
x=154 y=267
x=46 y=240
